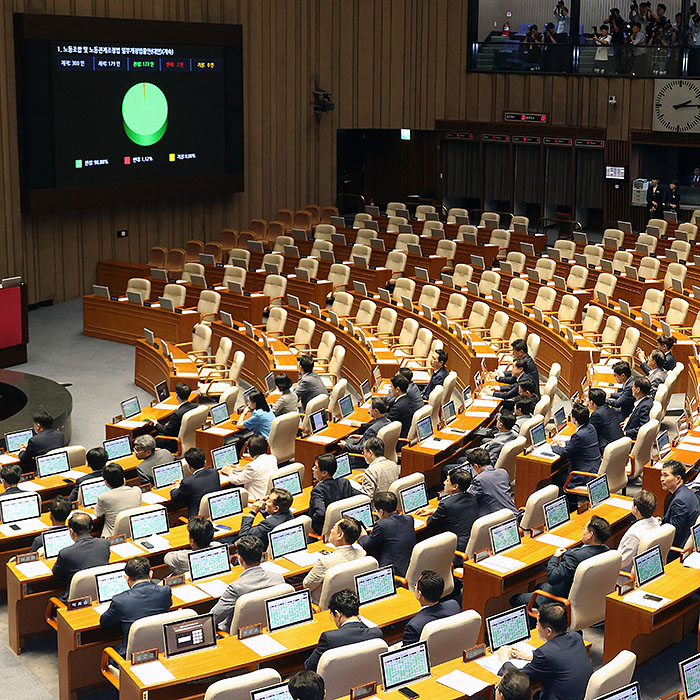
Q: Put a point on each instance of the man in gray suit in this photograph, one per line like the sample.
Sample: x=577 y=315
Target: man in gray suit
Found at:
x=490 y=487
x=201 y=533
x=504 y=423
x=145 y=449
x=355 y=443
x=116 y=498
x=253 y=578
x=309 y=384
x=380 y=472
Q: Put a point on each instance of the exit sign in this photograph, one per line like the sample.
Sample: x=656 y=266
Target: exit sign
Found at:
x=528 y=117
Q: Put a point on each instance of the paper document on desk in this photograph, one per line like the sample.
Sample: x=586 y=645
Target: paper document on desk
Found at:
x=603 y=369
x=218 y=431
x=24 y=526
x=477 y=414
x=7 y=459
x=303 y=559
x=417 y=522
x=433 y=443
x=500 y=563
x=619 y=503
x=215 y=588
x=637 y=597
x=189 y=593
x=486 y=403
x=101 y=608
x=152 y=673
x=368 y=622
x=166 y=406
x=125 y=550
x=273 y=568
x=549 y=538
x=321 y=439
x=692 y=439
x=73 y=474
x=463 y=682
x=493 y=664
x=33 y=569
x=160 y=544
x=264 y=645
x=692 y=561
x=151 y=498
x=544 y=451
x=688 y=447
x=30 y=486
x=187 y=374
x=352 y=423
x=131 y=423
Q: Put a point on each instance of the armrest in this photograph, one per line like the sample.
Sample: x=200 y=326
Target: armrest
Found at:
x=109 y=654
x=219 y=373
x=182 y=519
x=341 y=287
x=314 y=536
x=213 y=314
x=401 y=580
x=175 y=440
x=564 y=601
x=626 y=574
x=222 y=634
x=576 y=492
x=51 y=609
x=316 y=608
x=329 y=374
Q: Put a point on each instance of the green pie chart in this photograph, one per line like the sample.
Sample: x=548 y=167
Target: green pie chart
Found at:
x=145 y=113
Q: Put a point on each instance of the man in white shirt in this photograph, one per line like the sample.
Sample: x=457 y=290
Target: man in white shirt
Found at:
x=254 y=476
x=643 y=507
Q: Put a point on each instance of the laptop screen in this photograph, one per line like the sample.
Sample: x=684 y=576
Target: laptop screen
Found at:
x=448 y=411
x=287 y=610
x=152 y=522
x=15 y=440
x=538 y=435
x=290 y=482
x=375 y=585
x=346 y=407
x=53 y=541
x=648 y=565
x=287 y=540
x=424 y=428
x=560 y=417
x=192 y=634
x=117 y=447
x=280 y=691
x=627 y=692
x=212 y=561
x=663 y=444
x=270 y=382
x=696 y=536
x=405 y=665
x=598 y=490
x=363 y=513
x=225 y=456
x=162 y=391
x=131 y=407
x=89 y=490
x=20 y=508
x=504 y=536
x=110 y=584
x=556 y=513
x=55 y=463
x=318 y=421
x=467 y=395
x=366 y=389
x=343 y=465
x=166 y=474
x=690 y=676
x=219 y=413
x=507 y=628
x=225 y=504
x=413 y=498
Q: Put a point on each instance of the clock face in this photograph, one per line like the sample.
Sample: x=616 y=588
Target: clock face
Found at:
x=677 y=105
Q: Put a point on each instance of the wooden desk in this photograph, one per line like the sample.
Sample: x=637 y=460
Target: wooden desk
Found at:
x=315 y=291
x=151 y=367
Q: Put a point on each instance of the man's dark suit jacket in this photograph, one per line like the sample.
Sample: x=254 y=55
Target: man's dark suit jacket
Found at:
x=657 y=195
x=366 y=431
x=530 y=371
x=391 y=541
x=40 y=444
x=269 y=523
x=681 y=511
x=582 y=451
x=324 y=493
x=456 y=513
x=402 y=411
x=193 y=487
x=623 y=400
x=511 y=392
x=350 y=633
x=638 y=417
x=415 y=396
x=606 y=422
x=172 y=427
x=84 y=553
x=560 y=572
x=144 y=599
x=92 y=475
x=436 y=379
x=415 y=625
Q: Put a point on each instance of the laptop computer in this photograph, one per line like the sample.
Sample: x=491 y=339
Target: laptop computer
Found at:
x=287 y=540
x=366 y=389
x=100 y=291
x=109 y=584
x=226 y=456
x=53 y=463
x=117 y=447
x=361 y=513
x=53 y=541
x=663 y=444
x=648 y=566
x=318 y=421
x=405 y=665
x=198 y=280
x=342 y=468
x=413 y=498
x=152 y=522
x=219 y=413
x=424 y=428
x=17 y=438
x=166 y=303
x=225 y=504
x=690 y=677
x=209 y=562
x=18 y=508
x=598 y=490
x=288 y=610
x=504 y=536
x=375 y=585
x=627 y=692
x=191 y=634
x=302 y=273
x=556 y=513
x=289 y=482
x=345 y=405
x=131 y=407
x=507 y=628
x=89 y=491
x=449 y=412
x=162 y=391
x=167 y=474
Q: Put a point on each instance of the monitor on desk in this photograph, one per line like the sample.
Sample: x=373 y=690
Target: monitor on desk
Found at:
x=166 y=349
x=287 y=540
x=109 y=584
x=598 y=490
x=279 y=691
x=467 y=397
x=152 y=522
x=538 y=435
x=117 y=447
x=289 y=482
x=519 y=228
x=219 y=413
x=289 y=609
x=504 y=536
x=405 y=665
x=359 y=287
x=449 y=412
x=167 y=474
x=507 y=628
x=345 y=405
x=149 y=336
x=100 y=291
x=695 y=532
x=648 y=566
x=302 y=273
x=627 y=692
x=89 y=491
x=225 y=504
x=17 y=438
x=192 y=634
x=294 y=302
x=159 y=274
x=318 y=421
x=209 y=562
x=135 y=297
x=556 y=513
x=207 y=259
x=53 y=541
x=375 y=585
x=235 y=286
x=377 y=244
x=690 y=677
x=424 y=428
x=270 y=382
x=53 y=463
x=361 y=513
x=131 y=407
x=166 y=304
x=226 y=456
x=19 y=508
x=162 y=391
x=625 y=226
x=366 y=389
x=560 y=417
x=663 y=444
x=477 y=380
x=413 y=498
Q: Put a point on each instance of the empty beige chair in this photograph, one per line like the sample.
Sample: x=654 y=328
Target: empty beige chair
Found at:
x=339 y=390
x=433 y=229
x=594 y=254
x=517 y=289
x=682 y=249
x=283 y=432
x=613 y=675
x=201 y=341
x=546 y=267
x=592 y=321
x=675 y=271
x=611 y=331
x=500 y=237
x=436 y=554
x=310 y=265
x=319 y=245
x=628 y=347
x=543 y=408
x=404 y=287
x=615 y=234
x=303 y=336
x=507 y=458
x=456 y=307
x=533 y=345
x=359 y=220
x=578 y=276
x=642 y=449
x=390 y=435
x=497 y=330
x=366 y=312
x=140 y=285
x=342 y=576
x=324 y=232
x=614 y=463
x=568 y=308
x=240 y=687
x=218 y=385
x=462 y=274
x=276 y=322
x=360 y=251
x=216 y=365
x=429 y=296
x=240 y=254
x=274 y=259
x=479 y=538
x=75 y=453
x=342 y=303
x=446 y=249
x=275 y=287
x=653 y=301
x=479 y=316
x=661 y=224
x=545 y=299
x=364 y=236
x=567 y=249
x=416 y=350
x=445 y=635
x=517 y=261
x=622 y=259
x=677 y=312
x=403 y=240
x=346 y=667
x=648 y=268
x=657 y=412
x=690 y=229
x=339 y=276
x=394 y=222
x=208 y=305
x=422 y=210
x=386 y=325
x=176 y=293
x=522 y=220
x=191 y=422
x=649 y=241
x=234 y=274
x=533 y=516
x=393 y=207
x=250 y=607
x=280 y=242
x=489 y=281
x=325 y=348
x=455 y=211
x=191 y=268
x=467 y=232
x=489 y=219
x=331 y=375
x=606 y=284
x=396 y=262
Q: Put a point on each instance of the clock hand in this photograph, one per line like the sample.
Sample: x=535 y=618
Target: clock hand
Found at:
x=684 y=104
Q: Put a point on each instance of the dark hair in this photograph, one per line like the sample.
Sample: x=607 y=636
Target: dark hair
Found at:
x=80 y=523
x=350 y=529
x=386 y=501
x=643 y=384
x=257 y=445
x=597 y=396
x=521 y=363
x=182 y=391
x=666 y=340
x=519 y=344
x=43 y=420
x=96 y=458
x=431 y=585
x=461 y=478
x=379 y=404
x=195 y=458
x=515 y=684
x=526 y=404
x=406 y=372
x=307 y=685
x=259 y=400
x=580 y=413
x=508 y=419
x=283 y=383
x=658 y=357
x=250 y=549
x=600 y=528
x=11 y=473
x=602 y=26
x=326 y=463
x=553 y=615
x=201 y=531
x=374 y=445
x=480 y=456
x=674 y=467
x=622 y=369
x=114 y=475
x=306 y=362
x=441 y=355
x=527 y=385
x=400 y=382
x=137 y=568
x=283 y=499
x=60 y=508
x=345 y=602
x=645 y=502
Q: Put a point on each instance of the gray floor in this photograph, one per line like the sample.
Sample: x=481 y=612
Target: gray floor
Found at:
x=101 y=373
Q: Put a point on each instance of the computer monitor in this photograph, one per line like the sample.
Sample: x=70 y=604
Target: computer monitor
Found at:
x=212 y=561
x=424 y=428
x=162 y=391
x=54 y=463
x=279 y=691
x=131 y=407
x=598 y=490
x=225 y=504
x=343 y=465
x=560 y=417
x=345 y=404
x=152 y=522
x=663 y=444
x=89 y=490
x=166 y=474
x=375 y=585
x=17 y=438
x=467 y=395
x=117 y=447
x=477 y=379
x=556 y=513
x=192 y=634
x=20 y=508
x=226 y=456
x=504 y=536
x=290 y=482
x=449 y=413
x=405 y=665
x=413 y=498
x=289 y=609
x=695 y=531
x=690 y=676
x=219 y=413
x=648 y=566
x=270 y=382
x=287 y=540
x=538 y=435
x=627 y=692
x=53 y=541
x=361 y=513
x=507 y=627
x=366 y=389
x=109 y=584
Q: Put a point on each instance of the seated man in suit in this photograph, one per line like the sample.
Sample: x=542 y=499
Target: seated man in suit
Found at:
x=254 y=578
x=381 y=472
x=144 y=598
x=10 y=475
x=681 y=504
x=514 y=685
x=117 y=498
x=275 y=511
x=490 y=486
x=642 y=405
x=413 y=392
x=438 y=362
x=393 y=536
x=657 y=374
x=307 y=685
x=151 y=456
x=401 y=408
x=561 y=664
x=171 y=427
x=522 y=409
x=563 y=564
x=85 y=552
x=511 y=391
x=622 y=401
x=582 y=449
x=201 y=534
x=605 y=419
x=255 y=475
x=504 y=424
x=664 y=343
x=344 y=607
x=310 y=384
x=59 y=510
x=203 y=480
x=327 y=490
x=44 y=440
x=429 y=588
x=342 y=536
x=96 y=459
x=519 y=351
x=643 y=507
x=355 y=443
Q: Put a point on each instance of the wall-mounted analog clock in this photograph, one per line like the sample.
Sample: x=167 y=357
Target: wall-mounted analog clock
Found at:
x=677 y=105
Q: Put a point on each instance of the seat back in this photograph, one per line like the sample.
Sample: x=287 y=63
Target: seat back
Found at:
x=234 y=274
x=409 y=331
x=326 y=345
x=456 y=306
x=489 y=219
x=682 y=248
x=361 y=251
x=479 y=537
x=250 y=607
x=405 y=482
x=421 y=413
x=283 y=432
x=396 y=262
x=690 y=229
x=616 y=234
x=568 y=308
x=345 y=667
x=213 y=248
x=147 y=633
x=546 y=268
x=661 y=224
x=641 y=452
x=304 y=333
x=201 y=338
x=630 y=341
x=209 y=302
x=275 y=287
x=479 y=316
x=84 y=583
x=545 y=299
x=240 y=687
x=228 y=239
x=390 y=434
x=302 y=219
x=555 y=370
x=293 y=468
x=594 y=579
x=157 y=256
x=517 y=261
x=533 y=517
x=450 y=633
x=387 y=321
x=286 y=216
x=275 y=258
x=393 y=207
x=593 y=319
x=338 y=275
x=662 y=535
x=360 y=218
x=364 y=236
x=649 y=267
x=455 y=211
x=499 y=325
x=606 y=283
x=615 y=457
x=567 y=249
x=578 y=276
x=191 y=422
x=404 y=239
x=675 y=270
x=140 y=285
x=223 y=352
x=321 y=244
x=594 y=254
x=335 y=365
x=423 y=209
x=239 y=253
x=621 y=259
x=653 y=301
x=430 y=296
x=446 y=249
x=237 y=363
x=333 y=510
x=276 y=321
x=517 y=289
x=611 y=331
x=121 y=523
x=280 y=242
x=677 y=312
x=342 y=576
x=317 y=403
x=324 y=233
x=466 y=230
x=533 y=345
x=462 y=274
x=613 y=675
x=311 y=265
x=500 y=237
x=394 y=222
x=176 y=293
x=192 y=250
x=544 y=408
x=449 y=386
x=524 y=220
x=435 y=402
x=435 y=553
x=191 y=268
x=175 y=260
x=507 y=457
x=518 y=330
x=489 y=281
x=342 y=303
x=339 y=390
x=430 y=228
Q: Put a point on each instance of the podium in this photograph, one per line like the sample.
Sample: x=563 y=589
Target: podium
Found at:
x=14 y=329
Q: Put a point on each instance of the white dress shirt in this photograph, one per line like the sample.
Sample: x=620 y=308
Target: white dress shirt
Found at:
x=255 y=476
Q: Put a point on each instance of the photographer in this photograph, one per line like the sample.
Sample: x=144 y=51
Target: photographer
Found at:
x=637 y=40
x=562 y=20
x=531 y=46
x=617 y=33
x=602 y=39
